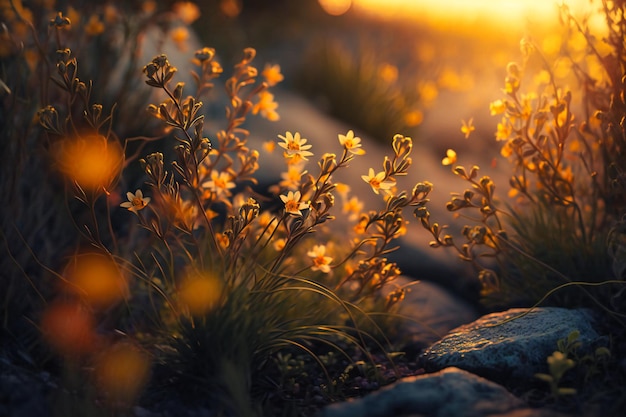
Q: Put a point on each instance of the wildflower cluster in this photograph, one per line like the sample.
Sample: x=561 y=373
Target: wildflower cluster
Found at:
x=208 y=241
x=565 y=185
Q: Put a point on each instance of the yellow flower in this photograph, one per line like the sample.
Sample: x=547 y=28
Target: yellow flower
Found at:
x=220 y=184
x=91 y=161
x=266 y=106
x=342 y=189
x=135 y=201
x=269 y=146
x=293 y=205
x=351 y=143
x=272 y=74
x=279 y=244
x=180 y=36
x=292 y=178
x=94 y=26
x=450 y=158
x=360 y=227
x=468 y=127
x=497 y=107
x=222 y=240
x=377 y=181
x=321 y=262
x=187 y=11
x=503 y=131
x=295 y=145
x=353 y=208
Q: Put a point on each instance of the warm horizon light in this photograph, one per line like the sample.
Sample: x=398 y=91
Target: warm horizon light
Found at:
x=509 y=12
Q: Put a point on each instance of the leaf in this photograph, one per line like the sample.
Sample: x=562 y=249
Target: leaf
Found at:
x=544 y=377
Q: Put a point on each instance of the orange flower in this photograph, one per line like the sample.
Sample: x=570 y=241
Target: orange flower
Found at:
x=91 y=161
x=187 y=11
x=94 y=26
x=272 y=74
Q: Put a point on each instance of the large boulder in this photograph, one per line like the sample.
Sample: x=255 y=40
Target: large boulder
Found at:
x=451 y=392
x=511 y=344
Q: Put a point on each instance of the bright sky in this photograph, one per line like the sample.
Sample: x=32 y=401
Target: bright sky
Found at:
x=507 y=12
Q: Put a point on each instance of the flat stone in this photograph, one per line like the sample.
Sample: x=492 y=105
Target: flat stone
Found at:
x=451 y=392
x=510 y=344
x=429 y=312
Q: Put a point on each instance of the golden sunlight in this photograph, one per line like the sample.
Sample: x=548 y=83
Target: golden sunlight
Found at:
x=335 y=7
x=512 y=12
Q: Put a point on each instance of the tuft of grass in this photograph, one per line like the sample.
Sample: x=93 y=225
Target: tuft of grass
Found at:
x=355 y=85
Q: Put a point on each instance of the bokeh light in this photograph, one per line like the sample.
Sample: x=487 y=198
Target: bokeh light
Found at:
x=69 y=328
x=121 y=372
x=97 y=279
x=91 y=161
x=199 y=292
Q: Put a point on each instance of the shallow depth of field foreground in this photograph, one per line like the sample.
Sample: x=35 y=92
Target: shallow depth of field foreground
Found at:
x=312 y=208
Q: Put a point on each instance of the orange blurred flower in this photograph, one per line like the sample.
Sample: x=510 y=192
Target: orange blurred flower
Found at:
x=200 y=292
x=94 y=26
x=91 y=161
x=272 y=74
x=69 y=328
x=187 y=11
x=97 y=279
x=121 y=372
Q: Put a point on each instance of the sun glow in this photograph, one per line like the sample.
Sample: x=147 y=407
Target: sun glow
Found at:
x=505 y=13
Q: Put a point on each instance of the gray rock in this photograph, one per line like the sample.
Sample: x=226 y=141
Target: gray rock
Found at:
x=451 y=392
x=429 y=312
x=500 y=350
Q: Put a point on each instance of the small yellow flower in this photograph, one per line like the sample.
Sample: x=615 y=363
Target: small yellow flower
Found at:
x=293 y=205
x=497 y=107
x=222 y=240
x=269 y=146
x=187 y=11
x=351 y=143
x=353 y=208
x=279 y=244
x=292 y=178
x=295 y=145
x=342 y=189
x=450 y=158
x=468 y=127
x=504 y=130
x=272 y=74
x=94 y=26
x=180 y=35
x=377 y=181
x=135 y=201
x=360 y=227
x=220 y=184
x=321 y=262
x=266 y=106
